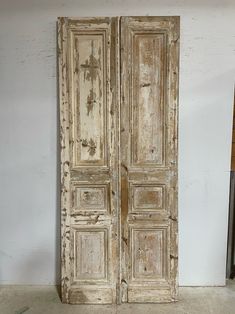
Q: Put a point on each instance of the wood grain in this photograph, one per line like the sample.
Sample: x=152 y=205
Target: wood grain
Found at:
x=149 y=132
x=89 y=118
x=118 y=83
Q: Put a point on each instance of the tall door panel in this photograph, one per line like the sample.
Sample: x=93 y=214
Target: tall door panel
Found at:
x=149 y=94
x=89 y=74
x=118 y=251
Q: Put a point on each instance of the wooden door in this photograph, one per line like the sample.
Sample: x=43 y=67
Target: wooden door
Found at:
x=119 y=232
x=89 y=108
x=149 y=95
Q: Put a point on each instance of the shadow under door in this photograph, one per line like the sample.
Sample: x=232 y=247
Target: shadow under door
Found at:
x=118 y=82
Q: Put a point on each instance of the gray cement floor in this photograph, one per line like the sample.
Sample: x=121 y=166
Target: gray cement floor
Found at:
x=45 y=300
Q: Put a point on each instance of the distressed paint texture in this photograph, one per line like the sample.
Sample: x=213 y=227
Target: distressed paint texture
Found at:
x=119 y=224
x=88 y=78
x=89 y=108
x=149 y=51
x=149 y=122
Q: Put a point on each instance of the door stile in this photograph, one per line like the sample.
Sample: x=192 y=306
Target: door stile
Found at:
x=65 y=157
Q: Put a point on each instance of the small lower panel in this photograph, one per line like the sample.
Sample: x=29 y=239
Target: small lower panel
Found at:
x=90 y=254
x=149 y=295
x=93 y=295
x=149 y=252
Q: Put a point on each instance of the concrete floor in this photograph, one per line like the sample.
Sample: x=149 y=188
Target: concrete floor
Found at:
x=45 y=300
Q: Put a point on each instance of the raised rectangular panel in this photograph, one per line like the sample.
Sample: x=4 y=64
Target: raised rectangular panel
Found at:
x=90 y=198
x=147 y=197
x=90 y=254
x=149 y=253
x=148 y=98
x=88 y=76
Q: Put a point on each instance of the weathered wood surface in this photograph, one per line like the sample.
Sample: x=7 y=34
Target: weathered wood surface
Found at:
x=119 y=184
x=149 y=132
x=89 y=107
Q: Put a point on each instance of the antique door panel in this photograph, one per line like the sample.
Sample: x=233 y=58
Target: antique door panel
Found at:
x=89 y=74
x=149 y=94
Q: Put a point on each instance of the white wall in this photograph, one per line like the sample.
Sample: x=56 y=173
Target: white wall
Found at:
x=28 y=132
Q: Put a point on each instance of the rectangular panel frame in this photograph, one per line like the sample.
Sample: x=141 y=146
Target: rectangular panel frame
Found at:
x=165 y=230
x=134 y=209
x=83 y=229
x=76 y=209
x=78 y=144
x=133 y=130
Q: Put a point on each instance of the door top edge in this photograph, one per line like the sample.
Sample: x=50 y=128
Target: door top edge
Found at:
x=118 y=17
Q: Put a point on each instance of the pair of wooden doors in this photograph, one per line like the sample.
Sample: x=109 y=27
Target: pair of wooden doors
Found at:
x=118 y=115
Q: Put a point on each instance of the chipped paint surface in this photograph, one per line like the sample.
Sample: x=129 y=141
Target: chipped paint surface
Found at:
x=88 y=58
x=119 y=225
x=149 y=121
x=88 y=73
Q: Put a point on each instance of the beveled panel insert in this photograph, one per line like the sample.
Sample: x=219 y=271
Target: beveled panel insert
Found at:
x=147 y=197
x=90 y=198
x=148 y=98
x=88 y=65
x=149 y=253
x=90 y=252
